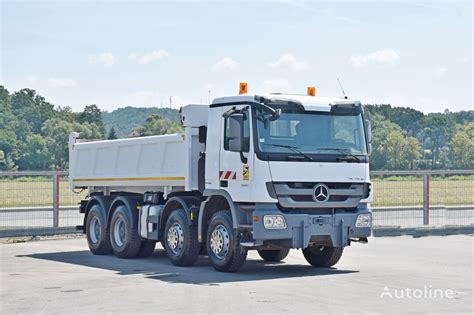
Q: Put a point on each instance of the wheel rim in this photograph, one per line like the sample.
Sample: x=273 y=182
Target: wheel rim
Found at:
x=119 y=232
x=220 y=241
x=175 y=238
x=94 y=230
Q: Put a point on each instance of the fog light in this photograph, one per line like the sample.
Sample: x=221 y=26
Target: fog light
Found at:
x=273 y=222
x=364 y=220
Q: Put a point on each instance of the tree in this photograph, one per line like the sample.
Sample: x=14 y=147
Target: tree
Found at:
x=381 y=128
x=124 y=120
x=438 y=129
x=462 y=147
x=93 y=115
x=35 y=154
x=6 y=164
x=32 y=108
x=400 y=151
x=156 y=125
x=112 y=134
x=408 y=119
x=9 y=131
x=57 y=136
x=65 y=113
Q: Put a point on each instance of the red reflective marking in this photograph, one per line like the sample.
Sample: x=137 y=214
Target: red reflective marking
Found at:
x=235 y=175
x=227 y=175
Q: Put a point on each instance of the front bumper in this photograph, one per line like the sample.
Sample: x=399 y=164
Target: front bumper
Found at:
x=305 y=229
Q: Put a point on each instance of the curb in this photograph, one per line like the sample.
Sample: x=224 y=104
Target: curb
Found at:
x=420 y=232
x=39 y=231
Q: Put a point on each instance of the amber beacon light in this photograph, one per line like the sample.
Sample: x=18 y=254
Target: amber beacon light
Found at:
x=243 y=88
x=311 y=91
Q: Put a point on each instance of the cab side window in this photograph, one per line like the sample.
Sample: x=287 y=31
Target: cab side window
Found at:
x=245 y=132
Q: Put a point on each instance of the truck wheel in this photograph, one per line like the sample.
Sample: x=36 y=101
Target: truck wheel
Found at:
x=96 y=232
x=223 y=245
x=123 y=234
x=273 y=255
x=322 y=256
x=180 y=239
x=146 y=249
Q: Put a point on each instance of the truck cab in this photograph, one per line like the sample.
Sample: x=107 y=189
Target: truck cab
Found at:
x=295 y=169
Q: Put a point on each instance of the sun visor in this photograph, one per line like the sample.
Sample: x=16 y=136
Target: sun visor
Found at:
x=346 y=108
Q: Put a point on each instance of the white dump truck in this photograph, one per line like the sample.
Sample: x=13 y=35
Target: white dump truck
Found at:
x=250 y=172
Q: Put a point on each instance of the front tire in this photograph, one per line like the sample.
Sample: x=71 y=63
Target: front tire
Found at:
x=96 y=232
x=180 y=239
x=322 y=256
x=124 y=236
x=223 y=245
x=273 y=255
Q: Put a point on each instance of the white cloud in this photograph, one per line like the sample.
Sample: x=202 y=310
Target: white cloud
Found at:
x=225 y=64
x=278 y=85
x=61 y=82
x=380 y=57
x=289 y=61
x=149 y=57
x=440 y=72
x=106 y=59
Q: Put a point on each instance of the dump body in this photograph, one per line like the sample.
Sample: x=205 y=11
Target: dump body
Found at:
x=135 y=164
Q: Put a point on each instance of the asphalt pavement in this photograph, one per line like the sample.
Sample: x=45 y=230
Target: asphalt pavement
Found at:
x=391 y=274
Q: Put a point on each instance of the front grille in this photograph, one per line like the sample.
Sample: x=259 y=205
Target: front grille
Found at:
x=301 y=194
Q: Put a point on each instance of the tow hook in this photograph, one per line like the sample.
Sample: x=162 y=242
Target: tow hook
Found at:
x=362 y=240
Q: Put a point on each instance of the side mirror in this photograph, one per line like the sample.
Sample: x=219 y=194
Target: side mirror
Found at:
x=368 y=130
x=368 y=134
x=234 y=134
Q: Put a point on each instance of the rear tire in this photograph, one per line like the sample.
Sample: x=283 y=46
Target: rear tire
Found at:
x=124 y=233
x=273 y=255
x=322 y=256
x=146 y=249
x=96 y=232
x=180 y=239
x=223 y=245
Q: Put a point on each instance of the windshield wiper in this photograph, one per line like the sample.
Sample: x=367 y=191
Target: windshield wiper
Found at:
x=292 y=148
x=345 y=151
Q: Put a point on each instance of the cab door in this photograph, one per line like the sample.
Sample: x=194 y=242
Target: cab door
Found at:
x=236 y=167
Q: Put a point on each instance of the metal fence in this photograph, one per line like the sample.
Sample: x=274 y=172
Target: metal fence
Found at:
x=34 y=203
x=423 y=198
x=38 y=203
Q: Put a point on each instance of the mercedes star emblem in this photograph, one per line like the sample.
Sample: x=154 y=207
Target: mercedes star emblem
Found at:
x=321 y=193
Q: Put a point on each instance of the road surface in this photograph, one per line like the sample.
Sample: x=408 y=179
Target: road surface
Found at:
x=62 y=276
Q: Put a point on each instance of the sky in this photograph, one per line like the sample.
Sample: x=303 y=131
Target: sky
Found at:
x=144 y=53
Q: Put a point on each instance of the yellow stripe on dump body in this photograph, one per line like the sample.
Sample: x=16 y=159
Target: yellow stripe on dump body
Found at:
x=125 y=178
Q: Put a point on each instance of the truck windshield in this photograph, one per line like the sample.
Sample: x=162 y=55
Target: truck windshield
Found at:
x=313 y=133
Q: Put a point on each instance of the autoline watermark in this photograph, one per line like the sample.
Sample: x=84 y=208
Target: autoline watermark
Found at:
x=427 y=292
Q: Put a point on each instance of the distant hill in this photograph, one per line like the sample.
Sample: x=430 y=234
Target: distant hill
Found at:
x=124 y=120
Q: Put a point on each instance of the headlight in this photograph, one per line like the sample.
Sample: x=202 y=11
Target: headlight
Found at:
x=364 y=220
x=273 y=222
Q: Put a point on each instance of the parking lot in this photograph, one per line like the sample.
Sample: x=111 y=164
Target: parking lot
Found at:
x=386 y=275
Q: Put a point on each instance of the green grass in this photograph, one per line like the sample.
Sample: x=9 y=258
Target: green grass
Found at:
x=409 y=192
x=448 y=191
x=36 y=193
